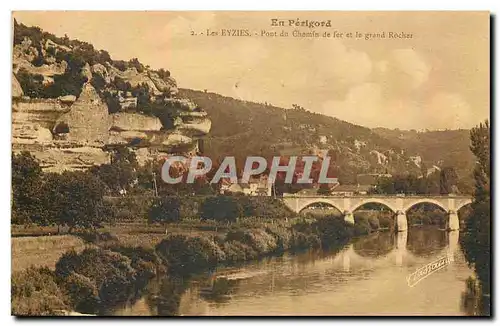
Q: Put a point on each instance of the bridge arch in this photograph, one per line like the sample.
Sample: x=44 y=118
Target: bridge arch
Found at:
x=357 y=205
x=326 y=201
x=425 y=201
x=461 y=204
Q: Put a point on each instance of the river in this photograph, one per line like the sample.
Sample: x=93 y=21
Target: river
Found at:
x=369 y=276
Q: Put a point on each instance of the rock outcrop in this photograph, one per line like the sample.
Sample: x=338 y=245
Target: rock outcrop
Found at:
x=77 y=132
x=86 y=122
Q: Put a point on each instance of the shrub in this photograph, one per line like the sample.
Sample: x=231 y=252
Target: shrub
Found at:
x=262 y=242
x=35 y=293
x=110 y=273
x=282 y=235
x=189 y=254
x=264 y=207
x=237 y=251
x=305 y=240
x=82 y=292
x=144 y=260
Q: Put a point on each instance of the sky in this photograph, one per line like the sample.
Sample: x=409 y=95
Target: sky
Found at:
x=437 y=79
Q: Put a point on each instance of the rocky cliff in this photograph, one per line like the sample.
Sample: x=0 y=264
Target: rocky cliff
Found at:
x=71 y=108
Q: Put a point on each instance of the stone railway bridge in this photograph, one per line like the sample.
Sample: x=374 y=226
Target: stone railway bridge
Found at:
x=398 y=204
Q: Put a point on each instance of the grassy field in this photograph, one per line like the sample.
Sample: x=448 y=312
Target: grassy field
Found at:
x=42 y=250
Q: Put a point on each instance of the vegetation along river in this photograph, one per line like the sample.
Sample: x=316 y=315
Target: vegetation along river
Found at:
x=369 y=276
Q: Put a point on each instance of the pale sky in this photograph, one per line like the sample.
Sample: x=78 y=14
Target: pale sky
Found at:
x=437 y=79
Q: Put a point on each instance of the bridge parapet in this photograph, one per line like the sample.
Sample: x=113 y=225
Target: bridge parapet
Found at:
x=398 y=204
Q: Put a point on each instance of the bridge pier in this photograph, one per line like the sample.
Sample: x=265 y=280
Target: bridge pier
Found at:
x=349 y=217
x=401 y=242
x=453 y=222
x=401 y=221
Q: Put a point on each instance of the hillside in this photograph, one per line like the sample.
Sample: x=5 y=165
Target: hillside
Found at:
x=242 y=128
x=442 y=148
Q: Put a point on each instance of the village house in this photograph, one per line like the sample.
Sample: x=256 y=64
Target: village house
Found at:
x=255 y=187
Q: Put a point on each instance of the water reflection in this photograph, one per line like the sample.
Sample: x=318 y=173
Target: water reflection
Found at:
x=375 y=245
x=426 y=241
x=367 y=277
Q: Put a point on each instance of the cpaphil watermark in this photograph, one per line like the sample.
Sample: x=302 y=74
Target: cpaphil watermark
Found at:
x=198 y=166
x=425 y=271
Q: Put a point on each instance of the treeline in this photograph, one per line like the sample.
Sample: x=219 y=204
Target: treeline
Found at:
x=88 y=199
x=438 y=183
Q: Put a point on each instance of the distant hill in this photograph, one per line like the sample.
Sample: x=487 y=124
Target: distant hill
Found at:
x=442 y=148
x=243 y=128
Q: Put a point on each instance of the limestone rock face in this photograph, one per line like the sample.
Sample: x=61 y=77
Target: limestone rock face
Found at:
x=87 y=121
x=168 y=85
x=32 y=118
x=196 y=127
x=131 y=121
x=70 y=133
x=74 y=158
x=181 y=103
x=31 y=134
x=87 y=72
x=100 y=70
x=67 y=99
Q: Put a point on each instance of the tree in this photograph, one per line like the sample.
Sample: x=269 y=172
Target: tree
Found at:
x=447 y=180
x=120 y=174
x=221 y=208
x=76 y=199
x=477 y=240
x=26 y=185
x=165 y=210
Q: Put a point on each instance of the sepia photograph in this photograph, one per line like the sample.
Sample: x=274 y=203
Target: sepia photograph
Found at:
x=250 y=163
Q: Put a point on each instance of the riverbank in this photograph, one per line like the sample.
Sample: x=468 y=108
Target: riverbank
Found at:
x=96 y=279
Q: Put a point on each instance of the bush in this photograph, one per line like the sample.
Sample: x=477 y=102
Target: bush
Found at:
x=110 y=273
x=83 y=293
x=305 y=240
x=237 y=251
x=262 y=242
x=282 y=235
x=35 y=293
x=189 y=254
